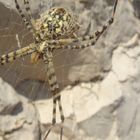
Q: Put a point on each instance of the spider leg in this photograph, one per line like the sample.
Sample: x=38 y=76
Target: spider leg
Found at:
x=54 y=88
x=26 y=22
x=62 y=115
x=17 y=54
x=82 y=46
x=30 y=24
x=53 y=120
x=28 y=10
x=97 y=34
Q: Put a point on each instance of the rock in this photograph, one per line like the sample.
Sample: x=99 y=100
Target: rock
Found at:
x=98 y=61
x=81 y=104
x=18 y=117
x=106 y=110
x=104 y=102
x=136 y=5
x=8 y=99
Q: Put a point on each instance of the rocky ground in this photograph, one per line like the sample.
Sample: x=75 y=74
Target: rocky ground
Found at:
x=103 y=105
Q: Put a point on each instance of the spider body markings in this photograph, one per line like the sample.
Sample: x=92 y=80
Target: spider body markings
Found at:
x=57 y=23
x=56 y=29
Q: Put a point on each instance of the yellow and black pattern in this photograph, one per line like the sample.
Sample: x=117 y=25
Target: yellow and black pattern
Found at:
x=57 y=23
x=6 y=58
x=56 y=29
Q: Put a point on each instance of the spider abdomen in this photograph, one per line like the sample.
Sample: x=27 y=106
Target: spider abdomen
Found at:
x=57 y=23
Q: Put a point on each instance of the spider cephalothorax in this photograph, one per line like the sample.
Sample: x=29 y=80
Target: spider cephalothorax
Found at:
x=57 y=23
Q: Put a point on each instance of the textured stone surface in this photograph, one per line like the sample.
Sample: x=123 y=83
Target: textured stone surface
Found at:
x=106 y=110
x=18 y=117
x=8 y=99
x=103 y=107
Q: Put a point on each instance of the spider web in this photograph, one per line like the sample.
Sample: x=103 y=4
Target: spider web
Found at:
x=30 y=79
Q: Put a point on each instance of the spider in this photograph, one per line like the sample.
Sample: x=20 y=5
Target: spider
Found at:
x=55 y=29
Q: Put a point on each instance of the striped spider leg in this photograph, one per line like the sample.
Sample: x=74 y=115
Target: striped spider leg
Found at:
x=54 y=87
x=55 y=29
